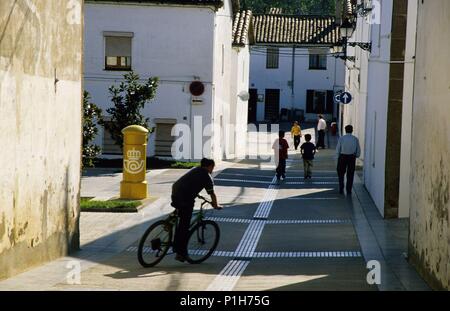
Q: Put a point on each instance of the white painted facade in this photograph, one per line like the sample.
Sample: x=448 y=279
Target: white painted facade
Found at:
x=179 y=44
x=262 y=78
x=368 y=113
x=407 y=114
x=239 y=103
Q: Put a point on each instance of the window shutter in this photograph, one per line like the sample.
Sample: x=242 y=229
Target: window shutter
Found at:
x=118 y=46
x=330 y=102
x=273 y=55
x=310 y=101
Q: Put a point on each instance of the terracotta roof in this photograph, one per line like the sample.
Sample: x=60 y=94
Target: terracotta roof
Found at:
x=243 y=32
x=291 y=29
x=349 y=8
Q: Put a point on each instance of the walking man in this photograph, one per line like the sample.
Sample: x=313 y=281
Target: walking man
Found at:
x=280 y=147
x=321 y=128
x=348 y=150
x=296 y=133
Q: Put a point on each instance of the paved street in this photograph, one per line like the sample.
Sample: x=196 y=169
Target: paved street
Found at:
x=297 y=235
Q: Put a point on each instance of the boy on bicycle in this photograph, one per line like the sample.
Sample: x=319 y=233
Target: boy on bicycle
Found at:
x=184 y=192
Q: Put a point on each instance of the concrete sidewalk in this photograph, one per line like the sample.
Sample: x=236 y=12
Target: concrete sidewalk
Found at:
x=300 y=235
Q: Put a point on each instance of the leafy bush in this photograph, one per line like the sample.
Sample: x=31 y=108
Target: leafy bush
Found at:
x=128 y=101
x=92 y=115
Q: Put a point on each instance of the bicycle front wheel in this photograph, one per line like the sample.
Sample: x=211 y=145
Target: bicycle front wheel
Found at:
x=155 y=244
x=203 y=240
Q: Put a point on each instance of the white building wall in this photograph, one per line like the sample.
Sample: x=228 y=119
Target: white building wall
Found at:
x=175 y=44
x=408 y=95
x=262 y=78
x=377 y=102
x=357 y=84
x=239 y=107
x=222 y=75
x=368 y=113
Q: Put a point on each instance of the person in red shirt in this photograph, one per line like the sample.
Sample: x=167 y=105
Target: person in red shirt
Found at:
x=281 y=147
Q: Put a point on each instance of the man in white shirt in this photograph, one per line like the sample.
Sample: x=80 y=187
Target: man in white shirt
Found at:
x=347 y=150
x=321 y=128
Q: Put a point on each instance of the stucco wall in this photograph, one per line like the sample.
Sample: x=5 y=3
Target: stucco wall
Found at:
x=239 y=108
x=430 y=165
x=357 y=83
x=222 y=75
x=408 y=92
x=368 y=80
x=40 y=111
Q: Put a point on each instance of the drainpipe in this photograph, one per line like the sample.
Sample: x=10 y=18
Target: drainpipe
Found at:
x=293 y=83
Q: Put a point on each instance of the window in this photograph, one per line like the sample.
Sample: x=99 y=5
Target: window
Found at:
x=118 y=51
x=320 y=102
x=317 y=62
x=273 y=56
x=272 y=105
x=164 y=139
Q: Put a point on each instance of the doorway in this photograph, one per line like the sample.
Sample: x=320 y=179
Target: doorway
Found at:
x=272 y=105
x=252 y=105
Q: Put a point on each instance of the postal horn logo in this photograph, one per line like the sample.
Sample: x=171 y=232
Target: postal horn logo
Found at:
x=134 y=164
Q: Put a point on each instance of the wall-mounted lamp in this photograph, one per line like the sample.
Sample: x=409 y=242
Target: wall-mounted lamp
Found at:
x=347 y=28
x=361 y=10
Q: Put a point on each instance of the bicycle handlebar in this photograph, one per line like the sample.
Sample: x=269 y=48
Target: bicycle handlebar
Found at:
x=205 y=200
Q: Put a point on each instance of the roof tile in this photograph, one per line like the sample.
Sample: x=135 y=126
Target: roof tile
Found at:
x=291 y=29
x=242 y=26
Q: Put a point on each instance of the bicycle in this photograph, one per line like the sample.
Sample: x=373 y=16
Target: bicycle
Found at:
x=203 y=238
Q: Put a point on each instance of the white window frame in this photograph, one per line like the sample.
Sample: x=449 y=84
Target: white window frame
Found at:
x=121 y=35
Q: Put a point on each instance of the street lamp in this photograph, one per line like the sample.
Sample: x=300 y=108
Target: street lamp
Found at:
x=347 y=29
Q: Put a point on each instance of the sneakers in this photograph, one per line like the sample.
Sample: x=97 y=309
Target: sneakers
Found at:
x=180 y=258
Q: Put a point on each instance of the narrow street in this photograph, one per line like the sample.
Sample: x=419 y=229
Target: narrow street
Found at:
x=297 y=235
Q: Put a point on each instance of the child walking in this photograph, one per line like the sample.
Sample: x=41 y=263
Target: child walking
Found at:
x=281 y=147
x=308 y=151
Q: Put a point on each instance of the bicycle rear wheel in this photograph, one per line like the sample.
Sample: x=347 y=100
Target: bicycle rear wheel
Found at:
x=155 y=244
x=203 y=240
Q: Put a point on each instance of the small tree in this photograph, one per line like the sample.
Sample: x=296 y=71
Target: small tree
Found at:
x=128 y=99
x=92 y=113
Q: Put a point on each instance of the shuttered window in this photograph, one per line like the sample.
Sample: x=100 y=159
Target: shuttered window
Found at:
x=164 y=139
x=118 y=52
x=273 y=58
x=317 y=62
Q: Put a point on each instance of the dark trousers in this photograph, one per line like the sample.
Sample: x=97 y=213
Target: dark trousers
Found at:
x=182 y=230
x=346 y=165
x=281 y=168
x=297 y=140
x=321 y=140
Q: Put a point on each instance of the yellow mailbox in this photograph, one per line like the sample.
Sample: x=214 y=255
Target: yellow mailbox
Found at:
x=134 y=184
